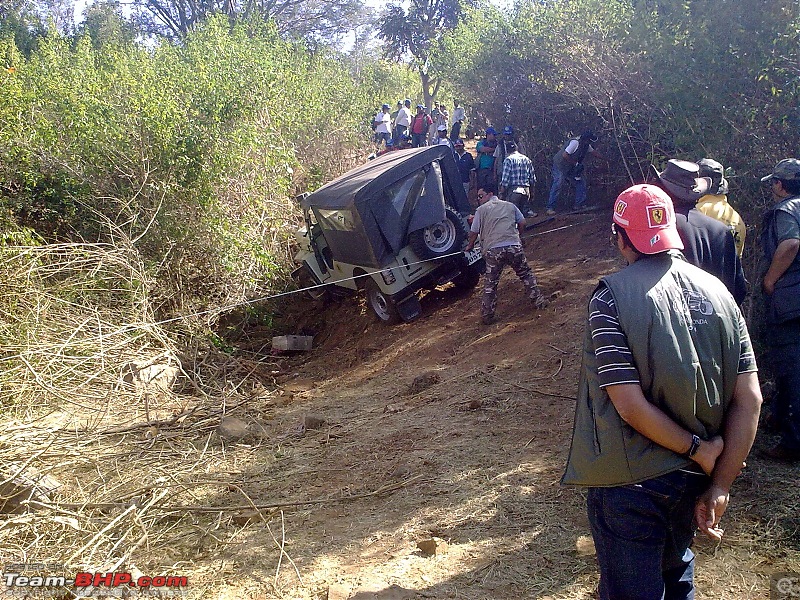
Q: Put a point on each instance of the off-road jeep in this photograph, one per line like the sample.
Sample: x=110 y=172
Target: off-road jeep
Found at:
x=392 y=227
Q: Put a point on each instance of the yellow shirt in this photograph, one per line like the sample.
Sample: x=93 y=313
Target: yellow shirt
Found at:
x=717 y=206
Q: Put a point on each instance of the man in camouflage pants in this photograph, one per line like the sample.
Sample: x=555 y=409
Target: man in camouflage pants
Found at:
x=499 y=224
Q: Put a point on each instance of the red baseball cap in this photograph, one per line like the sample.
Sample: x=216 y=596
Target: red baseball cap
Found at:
x=646 y=214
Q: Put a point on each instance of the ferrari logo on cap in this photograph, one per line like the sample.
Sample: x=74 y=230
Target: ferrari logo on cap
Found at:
x=620 y=207
x=656 y=215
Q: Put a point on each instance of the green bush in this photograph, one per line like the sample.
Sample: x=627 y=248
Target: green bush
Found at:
x=191 y=153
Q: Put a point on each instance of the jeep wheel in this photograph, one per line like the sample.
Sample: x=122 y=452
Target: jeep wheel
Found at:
x=380 y=303
x=306 y=279
x=439 y=239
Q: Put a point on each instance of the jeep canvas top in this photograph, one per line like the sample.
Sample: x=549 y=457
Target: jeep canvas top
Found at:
x=367 y=212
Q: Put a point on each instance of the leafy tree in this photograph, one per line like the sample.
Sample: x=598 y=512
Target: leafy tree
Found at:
x=415 y=32
x=658 y=78
x=28 y=21
x=20 y=20
x=105 y=23
x=59 y=12
x=187 y=154
x=306 y=19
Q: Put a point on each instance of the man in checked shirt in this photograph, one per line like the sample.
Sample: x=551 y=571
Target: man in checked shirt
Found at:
x=517 y=180
x=667 y=408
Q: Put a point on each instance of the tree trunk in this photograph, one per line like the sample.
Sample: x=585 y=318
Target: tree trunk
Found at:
x=430 y=87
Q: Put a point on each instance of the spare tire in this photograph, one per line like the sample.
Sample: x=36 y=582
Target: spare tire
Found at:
x=439 y=239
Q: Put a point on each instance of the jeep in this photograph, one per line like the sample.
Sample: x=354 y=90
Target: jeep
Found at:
x=392 y=227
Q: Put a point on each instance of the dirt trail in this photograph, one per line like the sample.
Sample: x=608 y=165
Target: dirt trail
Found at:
x=445 y=428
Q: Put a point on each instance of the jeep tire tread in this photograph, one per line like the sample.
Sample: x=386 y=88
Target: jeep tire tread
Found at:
x=470 y=276
x=306 y=279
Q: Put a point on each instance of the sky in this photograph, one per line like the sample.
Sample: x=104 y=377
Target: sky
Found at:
x=80 y=6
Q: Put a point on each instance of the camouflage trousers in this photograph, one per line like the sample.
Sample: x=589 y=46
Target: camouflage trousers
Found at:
x=496 y=259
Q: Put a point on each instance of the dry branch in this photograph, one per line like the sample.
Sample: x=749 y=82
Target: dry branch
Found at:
x=199 y=508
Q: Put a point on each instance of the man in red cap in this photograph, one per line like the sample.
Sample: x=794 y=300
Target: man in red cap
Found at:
x=667 y=408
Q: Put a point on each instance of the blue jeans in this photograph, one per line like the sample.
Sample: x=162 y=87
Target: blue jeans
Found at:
x=418 y=140
x=555 y=189
x=382 y=137
x=642 y=533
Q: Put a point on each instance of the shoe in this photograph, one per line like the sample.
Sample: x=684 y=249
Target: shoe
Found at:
x=550 y=212
x=530 y=214
x=782 y=453
x=540 y=302
x=487 y=319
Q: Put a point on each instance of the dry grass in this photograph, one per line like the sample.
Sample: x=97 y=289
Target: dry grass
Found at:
x=106 y=426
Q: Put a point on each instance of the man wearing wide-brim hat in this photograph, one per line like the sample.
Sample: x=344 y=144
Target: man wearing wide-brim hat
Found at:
x=708 y=243
x=715 y=203
x=780 y=238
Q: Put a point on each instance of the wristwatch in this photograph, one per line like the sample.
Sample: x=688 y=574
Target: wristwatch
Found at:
x=694 y=447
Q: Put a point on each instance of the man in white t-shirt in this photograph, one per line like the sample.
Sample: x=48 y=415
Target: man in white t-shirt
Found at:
x=442 y=139
x=403 y=120
x=458 y=121
x=382 y=123
x=568 y=163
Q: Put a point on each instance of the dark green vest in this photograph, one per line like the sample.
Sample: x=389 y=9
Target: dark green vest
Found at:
x=682 y=328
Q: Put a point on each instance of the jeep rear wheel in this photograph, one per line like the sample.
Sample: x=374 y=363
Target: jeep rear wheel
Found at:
x=469 y=276
x=439 y=239
x=381 y=303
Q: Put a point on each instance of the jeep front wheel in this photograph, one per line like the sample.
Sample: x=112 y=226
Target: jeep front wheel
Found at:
x=439 y=239
x=308 y=282
x=381 y=303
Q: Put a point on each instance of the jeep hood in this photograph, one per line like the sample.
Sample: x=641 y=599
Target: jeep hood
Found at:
x=367 y=213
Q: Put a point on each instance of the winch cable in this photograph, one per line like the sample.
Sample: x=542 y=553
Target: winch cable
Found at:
x=230 y=307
